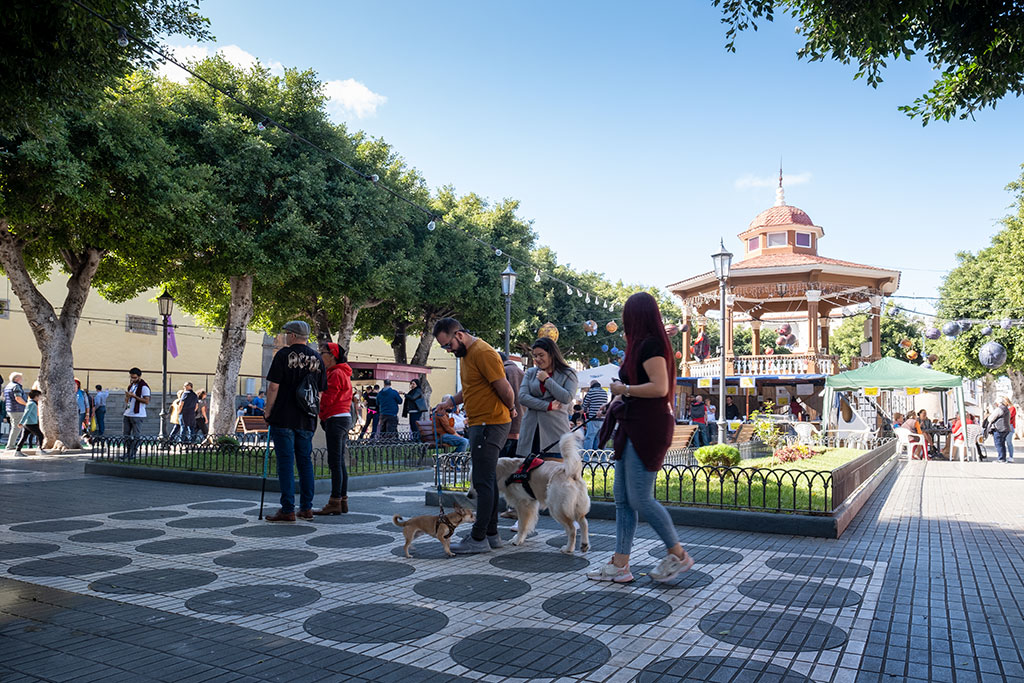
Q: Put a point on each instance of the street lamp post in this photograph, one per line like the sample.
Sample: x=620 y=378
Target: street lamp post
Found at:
x=722 y=261
x=166 y=303
x=508 y=288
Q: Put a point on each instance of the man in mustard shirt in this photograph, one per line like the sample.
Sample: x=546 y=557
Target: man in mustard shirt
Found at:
x=490 y=407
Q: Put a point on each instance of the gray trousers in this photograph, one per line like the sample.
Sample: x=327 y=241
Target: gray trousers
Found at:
x=16 y=430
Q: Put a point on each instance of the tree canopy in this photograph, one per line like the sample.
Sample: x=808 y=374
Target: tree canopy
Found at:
x=895 y=327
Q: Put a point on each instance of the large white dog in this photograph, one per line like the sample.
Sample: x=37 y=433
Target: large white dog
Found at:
x=559 y=487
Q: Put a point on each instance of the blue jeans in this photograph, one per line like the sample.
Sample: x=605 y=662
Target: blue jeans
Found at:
x=101 y=420
x=461 y=443
x=294 y=447
x=634 y=494
x=593 y=430
x=1000 y=439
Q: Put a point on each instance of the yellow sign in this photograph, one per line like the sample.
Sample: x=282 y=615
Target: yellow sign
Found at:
x=913 y=391
x=747 y=382
x=734 y=425
x=704 y=383
x=732 y=391
x=871 y=391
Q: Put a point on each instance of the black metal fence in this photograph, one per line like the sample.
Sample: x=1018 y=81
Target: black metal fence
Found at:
x=226 y=455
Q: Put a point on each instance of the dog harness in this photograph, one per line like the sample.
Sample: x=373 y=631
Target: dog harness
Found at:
x=443 y=519
x=522 y=475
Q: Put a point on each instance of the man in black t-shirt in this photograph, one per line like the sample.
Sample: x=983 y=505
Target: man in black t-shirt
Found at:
x=372 y=414
x=291 y=428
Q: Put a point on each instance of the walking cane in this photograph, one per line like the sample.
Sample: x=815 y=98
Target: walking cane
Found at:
x=266 y=464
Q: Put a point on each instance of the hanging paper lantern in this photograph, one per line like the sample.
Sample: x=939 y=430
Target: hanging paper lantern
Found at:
x=951 y=329
x=615 y=351
x=965 y=325
x=992 y=355
x=594 y=362
x=612 y=327
x=671 y=329
x=769 y=351
x=604 y=347
x=785 y=329
x=1006 y=324
x=986 y=331
x=911 y=354
x=679 y=355
x=590 y=327
x=906 y=343
x=548 y=330
x=932 y=333
x=622 y=353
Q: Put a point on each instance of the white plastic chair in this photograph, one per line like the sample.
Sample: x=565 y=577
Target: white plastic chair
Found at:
x=908 y=442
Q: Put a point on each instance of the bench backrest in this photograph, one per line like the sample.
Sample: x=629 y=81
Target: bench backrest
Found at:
x=745 y=433
x=251 y=424
x=682 y=436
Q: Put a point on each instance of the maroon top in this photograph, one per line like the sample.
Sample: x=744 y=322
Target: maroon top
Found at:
x=647 y=422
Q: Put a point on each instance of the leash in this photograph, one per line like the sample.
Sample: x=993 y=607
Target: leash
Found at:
x=530 y=462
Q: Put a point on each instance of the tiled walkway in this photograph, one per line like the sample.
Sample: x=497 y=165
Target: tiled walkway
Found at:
x=112 y=579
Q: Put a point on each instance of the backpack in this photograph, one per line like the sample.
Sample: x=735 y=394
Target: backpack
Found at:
x=307 y=395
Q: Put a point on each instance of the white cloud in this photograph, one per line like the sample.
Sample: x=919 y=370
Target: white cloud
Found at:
x=195 y=53
x=750 y=180
x=351 y=98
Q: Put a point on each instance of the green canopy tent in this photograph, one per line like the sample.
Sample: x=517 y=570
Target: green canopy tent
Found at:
x=889 y=373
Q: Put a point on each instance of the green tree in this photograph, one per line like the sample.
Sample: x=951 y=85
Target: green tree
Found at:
x=895 y=326
x=103 y=188
x=58 y=56
x=974 y=44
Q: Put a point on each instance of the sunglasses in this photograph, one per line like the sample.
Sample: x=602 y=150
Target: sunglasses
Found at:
x=448 y=346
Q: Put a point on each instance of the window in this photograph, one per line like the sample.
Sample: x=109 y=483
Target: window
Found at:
x=803 y=239
x=140 y=324
x=776 y=239
x=5 y=308
x=754 y=243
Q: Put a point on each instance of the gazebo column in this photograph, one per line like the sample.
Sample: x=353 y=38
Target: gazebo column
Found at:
x=686 y=342
x=813 y=297
x=727 y=327
x=876 y=327
x=824 y=334
x=755 y=341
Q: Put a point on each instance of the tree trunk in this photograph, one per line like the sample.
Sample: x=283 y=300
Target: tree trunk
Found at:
x=321 y=324
x=1016 y=385
x=229 y=360
x=53 y=334
x=422 y=353
x=398 y=342
x=347 y=325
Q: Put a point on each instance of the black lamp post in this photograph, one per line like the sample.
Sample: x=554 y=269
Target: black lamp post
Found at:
x=166 y=303
x=508 y=288
x=722 y=261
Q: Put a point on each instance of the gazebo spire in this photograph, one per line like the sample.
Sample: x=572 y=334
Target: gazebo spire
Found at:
x=780 y=195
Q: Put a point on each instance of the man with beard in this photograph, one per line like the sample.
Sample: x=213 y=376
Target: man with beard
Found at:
x=490 y=407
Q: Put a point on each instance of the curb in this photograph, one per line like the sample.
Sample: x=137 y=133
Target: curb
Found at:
x=252 y=483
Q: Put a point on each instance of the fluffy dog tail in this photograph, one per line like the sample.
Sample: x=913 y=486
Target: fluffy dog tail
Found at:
x=397 y=519
x=571 y=462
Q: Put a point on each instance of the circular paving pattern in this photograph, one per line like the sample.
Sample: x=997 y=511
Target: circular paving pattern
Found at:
x=268 y=530
x=350 y=518
x=265 y=558
x=207 y=522
x=70 y=565
x=688 y=579
x=540 y=563
x=472 y=588
x=375 y=623
x=610 y=608
x=116 y=535
x=530 y=652
x=421 y=550
x=389 y=526
x=702 y=554
x=800 y=594
x=256 y=599
x=597 y=542
x=148 y=514
x=710 y=669
x=351 y=540
x=363 y=571
x=58 y=525
x=185 y=546
x=818 y=567
x=153 y=581
x=767 y=630
x=12 y=551
x=222 y=505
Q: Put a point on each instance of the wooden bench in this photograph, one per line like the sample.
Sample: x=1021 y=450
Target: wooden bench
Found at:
x=251 y=424
x=744 y=434
x=682 y=436
x=426 y=430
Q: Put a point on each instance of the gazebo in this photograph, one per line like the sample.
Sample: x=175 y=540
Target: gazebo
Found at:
x=781 y=279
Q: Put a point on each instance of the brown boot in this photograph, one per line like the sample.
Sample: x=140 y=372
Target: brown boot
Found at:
x=334 y=506
x=281 y=517
x=344 y=504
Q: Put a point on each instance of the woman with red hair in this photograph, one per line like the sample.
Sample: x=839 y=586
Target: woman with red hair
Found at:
x=642 y=409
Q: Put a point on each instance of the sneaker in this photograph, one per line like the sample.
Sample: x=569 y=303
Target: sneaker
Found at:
x=305 y=514
x=281 y=516
x=471 y=546
x=494 y=540
x=671 y=567
x=610 y=572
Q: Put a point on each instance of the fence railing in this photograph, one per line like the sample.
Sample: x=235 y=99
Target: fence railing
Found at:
x=362 y=456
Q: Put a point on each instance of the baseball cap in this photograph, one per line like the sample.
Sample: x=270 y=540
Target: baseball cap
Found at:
x=298 y=327
x=595 y=383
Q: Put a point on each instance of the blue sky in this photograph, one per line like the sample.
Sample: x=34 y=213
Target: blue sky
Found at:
x=634 y=140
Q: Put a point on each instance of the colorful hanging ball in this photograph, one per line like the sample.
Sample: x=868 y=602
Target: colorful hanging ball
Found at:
x=594 y=362
x=951 y=329
x=612 y=327
x=679 y=355
x=590 y=327
x=548 y=330
x=1006 y=324
x=604 y=348
x=615 y=351
x=769 y=351
x=671 y=329
x=986 y=331
x=911 y=354
x=965 y=325
x=932 y=333
x=992 y=355
x=906 y=343
x=622 y=353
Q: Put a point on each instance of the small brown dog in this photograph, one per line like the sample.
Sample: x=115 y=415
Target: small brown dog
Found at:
x=433 y=526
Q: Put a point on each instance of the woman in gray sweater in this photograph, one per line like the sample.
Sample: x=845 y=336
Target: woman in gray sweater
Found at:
x=546 y=393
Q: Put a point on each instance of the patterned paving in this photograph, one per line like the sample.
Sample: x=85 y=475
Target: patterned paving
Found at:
x=211 y=593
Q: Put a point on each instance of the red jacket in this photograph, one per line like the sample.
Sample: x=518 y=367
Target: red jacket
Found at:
x=337 y=398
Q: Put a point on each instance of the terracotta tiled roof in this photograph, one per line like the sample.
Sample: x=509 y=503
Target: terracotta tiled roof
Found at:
x=781 y=215
x=783 y=260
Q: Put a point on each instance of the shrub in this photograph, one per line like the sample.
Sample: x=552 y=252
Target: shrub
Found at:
x=718 y=455
x=227 y=444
